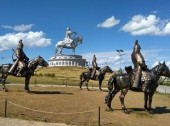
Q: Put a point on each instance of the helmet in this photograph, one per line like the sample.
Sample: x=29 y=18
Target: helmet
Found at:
x=68 y=28
x=137 y=46
x=20 y=41
x=94 y=57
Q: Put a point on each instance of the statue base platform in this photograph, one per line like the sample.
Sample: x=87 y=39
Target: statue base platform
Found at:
x=67 y=60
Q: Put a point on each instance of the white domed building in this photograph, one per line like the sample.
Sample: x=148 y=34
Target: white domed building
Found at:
x=67 y=60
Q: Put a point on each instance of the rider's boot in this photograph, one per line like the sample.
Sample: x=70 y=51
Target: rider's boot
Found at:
x=92 y=74
x=136 y=84
x=19 y=73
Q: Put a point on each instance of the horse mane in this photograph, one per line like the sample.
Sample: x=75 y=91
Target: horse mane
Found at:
x=155 y=68
x=32 y=61
x=128 y=69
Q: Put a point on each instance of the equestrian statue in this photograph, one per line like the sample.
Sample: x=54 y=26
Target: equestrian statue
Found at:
x=22 y=67
x=69 y=42
x=94 y=73
x=138 y=79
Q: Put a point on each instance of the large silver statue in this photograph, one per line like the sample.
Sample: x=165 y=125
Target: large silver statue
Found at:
x=69 y=42
x=139 y=64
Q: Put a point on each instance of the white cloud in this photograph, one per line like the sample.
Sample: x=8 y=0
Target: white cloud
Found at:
x=6 y=26
x=107 y=58
x=155 y=11
x=114 y=61
x=147 y=25
x=108 y=23
x=30 y=39
x=18 y=28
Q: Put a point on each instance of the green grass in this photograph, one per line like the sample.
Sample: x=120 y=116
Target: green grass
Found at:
x=61 y=76
x=57 y=76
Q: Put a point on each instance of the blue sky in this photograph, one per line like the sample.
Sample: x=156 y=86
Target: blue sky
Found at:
x=106 y=25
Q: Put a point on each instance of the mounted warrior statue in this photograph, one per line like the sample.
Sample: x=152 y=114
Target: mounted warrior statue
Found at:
x=69 y=36
x=95 y=68
x=139 y=65
x=69 y=42
x=20 y=64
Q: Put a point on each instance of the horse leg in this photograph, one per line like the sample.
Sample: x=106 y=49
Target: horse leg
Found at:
x=146 y=101
x=150 y=102
x=3 y=80
x=87 y=86
x=122 y=97
x=27 y=81
x=80 y=84
x=100 y=85
x=109 y=97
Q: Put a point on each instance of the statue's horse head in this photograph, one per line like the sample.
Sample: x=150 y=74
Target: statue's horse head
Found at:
x=162 y=70
x=106 y=69
x=78 y=40
x=38 y=61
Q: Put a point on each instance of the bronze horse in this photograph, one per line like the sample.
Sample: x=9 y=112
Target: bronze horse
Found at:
x=32 y=65
x=123 y=83
x=86 y=76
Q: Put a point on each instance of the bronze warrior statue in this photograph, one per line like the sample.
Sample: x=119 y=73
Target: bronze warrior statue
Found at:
x=21 y=62
x=94 y=66
x=139 y=64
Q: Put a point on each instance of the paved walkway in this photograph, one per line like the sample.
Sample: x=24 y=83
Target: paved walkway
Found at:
x=163 y=89
x=19 y=122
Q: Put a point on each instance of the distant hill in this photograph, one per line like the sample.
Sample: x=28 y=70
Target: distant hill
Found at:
x=57 y=76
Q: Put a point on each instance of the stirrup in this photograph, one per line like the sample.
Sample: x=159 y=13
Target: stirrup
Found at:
x=18 y=74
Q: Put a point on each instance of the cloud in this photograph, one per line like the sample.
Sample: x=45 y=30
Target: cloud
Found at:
x=115 y=62
x=108 y=58
x=108 y=23
x=147 y=25
x=30 y=39
x=19 y=28
x=6 y=26
x=155 y=11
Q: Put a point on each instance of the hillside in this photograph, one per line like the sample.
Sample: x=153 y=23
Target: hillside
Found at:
x=57 y=75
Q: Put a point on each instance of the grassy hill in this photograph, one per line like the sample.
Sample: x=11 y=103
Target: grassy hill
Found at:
x=57 y=76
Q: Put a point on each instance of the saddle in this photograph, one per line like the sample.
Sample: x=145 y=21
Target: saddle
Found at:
x=96 y=74
x=22 y=73
x=68 y=42
x=146 y=77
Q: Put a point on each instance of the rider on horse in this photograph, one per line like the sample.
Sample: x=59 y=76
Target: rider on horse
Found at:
x=94 y=67
x=21 y=61
x=68 y=37
x=139 y=65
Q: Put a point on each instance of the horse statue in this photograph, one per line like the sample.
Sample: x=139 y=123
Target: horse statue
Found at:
x=62 y=44
x=149 y=83
x=32 y=65
x=86 y=76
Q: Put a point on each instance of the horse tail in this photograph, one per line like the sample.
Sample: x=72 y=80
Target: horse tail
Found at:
x=81 y=76
x=111 y=82
x=81 y=79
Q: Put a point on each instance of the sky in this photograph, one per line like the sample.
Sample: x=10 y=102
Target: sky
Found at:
x=105 y=25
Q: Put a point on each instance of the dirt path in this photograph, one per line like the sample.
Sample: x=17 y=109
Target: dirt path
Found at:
x=19 y=122
x=68 y=105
